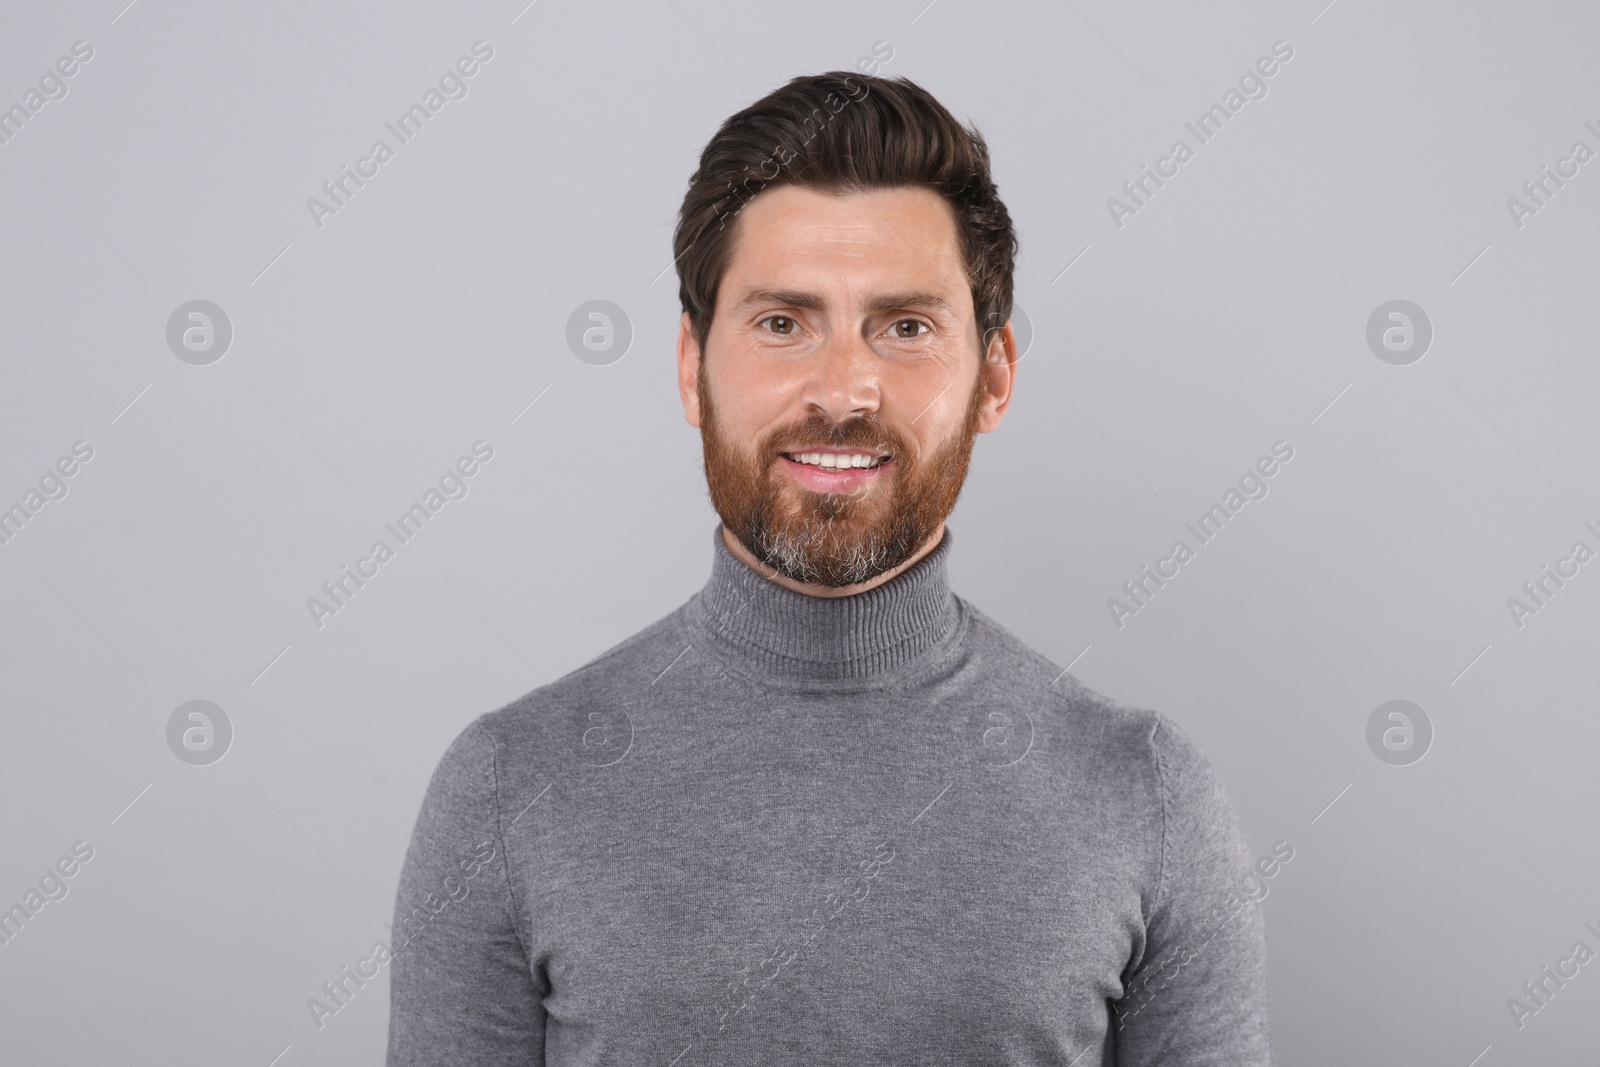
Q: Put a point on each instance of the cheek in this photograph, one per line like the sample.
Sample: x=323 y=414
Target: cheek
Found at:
x=933 y=412
x=749 y=406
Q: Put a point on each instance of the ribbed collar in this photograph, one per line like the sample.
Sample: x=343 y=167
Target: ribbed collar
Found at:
x=778 y=637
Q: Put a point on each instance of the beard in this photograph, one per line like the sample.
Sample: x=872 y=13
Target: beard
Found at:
x=834 y=539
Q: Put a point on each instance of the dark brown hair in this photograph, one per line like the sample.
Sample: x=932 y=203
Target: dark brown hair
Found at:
x=842 y=132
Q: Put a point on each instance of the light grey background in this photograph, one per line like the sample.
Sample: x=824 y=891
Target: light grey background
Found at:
x=368 y=354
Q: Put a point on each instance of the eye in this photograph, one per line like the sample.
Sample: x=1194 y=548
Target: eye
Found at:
x=917 y=323
x=786 y=322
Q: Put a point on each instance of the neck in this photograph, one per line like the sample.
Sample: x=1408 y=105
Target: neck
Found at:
x=782 y=638
x=744 y=555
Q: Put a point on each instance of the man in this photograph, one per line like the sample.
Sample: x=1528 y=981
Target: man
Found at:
x=827 y=811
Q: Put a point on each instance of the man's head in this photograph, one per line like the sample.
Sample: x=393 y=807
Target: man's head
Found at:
x=845 y=273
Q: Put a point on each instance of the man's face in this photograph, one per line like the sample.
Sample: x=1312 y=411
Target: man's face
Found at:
x=844 y=328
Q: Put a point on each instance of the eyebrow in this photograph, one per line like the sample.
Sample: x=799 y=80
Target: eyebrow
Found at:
x=796 y=298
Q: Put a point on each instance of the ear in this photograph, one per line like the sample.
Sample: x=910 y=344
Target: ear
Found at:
x=688 y=371
x=1000 y=375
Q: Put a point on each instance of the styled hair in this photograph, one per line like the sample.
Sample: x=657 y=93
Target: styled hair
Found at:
x=843 y=132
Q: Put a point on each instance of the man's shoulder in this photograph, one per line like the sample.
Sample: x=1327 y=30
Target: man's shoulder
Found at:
x=609 y=681
x=1113 y=728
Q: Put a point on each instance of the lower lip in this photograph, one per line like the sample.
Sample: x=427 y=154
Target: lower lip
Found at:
x=823 y=480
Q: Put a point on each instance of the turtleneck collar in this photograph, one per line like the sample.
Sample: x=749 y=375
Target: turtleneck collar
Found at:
x=778 y=637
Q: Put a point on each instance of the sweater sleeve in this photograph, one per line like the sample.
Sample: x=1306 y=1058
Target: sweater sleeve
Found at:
x=1197 y=995
x=460 y=986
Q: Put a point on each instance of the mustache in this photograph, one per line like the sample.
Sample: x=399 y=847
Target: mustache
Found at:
x=863 y=432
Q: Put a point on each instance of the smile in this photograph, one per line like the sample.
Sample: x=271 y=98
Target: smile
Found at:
x=837 y=460
x=836 y=472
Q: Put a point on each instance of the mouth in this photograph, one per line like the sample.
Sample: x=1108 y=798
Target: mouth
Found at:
x=838 y=460
x=836 y=470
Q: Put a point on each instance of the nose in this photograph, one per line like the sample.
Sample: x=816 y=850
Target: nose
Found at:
x=844 y=379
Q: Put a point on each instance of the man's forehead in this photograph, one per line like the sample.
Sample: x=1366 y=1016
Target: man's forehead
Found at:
x=894 y=247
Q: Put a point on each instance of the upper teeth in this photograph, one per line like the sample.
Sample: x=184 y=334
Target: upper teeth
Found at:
x=830 y=459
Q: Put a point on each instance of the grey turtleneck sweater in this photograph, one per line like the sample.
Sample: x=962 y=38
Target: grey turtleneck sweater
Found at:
x=778 y=829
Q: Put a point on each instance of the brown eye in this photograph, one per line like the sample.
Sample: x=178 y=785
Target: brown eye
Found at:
x=784 y=319
x=917 y=323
